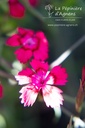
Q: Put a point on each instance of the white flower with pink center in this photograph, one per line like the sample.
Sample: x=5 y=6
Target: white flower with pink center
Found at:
x=39 y=80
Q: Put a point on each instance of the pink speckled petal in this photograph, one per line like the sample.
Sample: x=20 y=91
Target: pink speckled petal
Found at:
x=52 y=96
x=23 y=79
x=28 y=95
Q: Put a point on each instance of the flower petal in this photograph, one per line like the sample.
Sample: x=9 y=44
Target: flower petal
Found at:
x=24 y=31
x=26 y=72
x=49 y=80
x=22 y=79
x=13 y=40
x=43 y=45
x=60 y=75
x=43 y=41
x=36 y=64
x=40 y=55
x=52 y=96
x=23 y=55
x=28 y=95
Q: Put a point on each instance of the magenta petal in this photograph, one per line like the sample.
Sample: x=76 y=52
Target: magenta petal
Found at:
x=43 y=49
x=42 y=52
x=13 y=40
x=42 y=38
x=40 y=35
x=17 y=10
x=36 y=64
x=40 y=55
x=24 y=31
x=26 y=72
x=60 y=75
x=23 y=55
x=43 y=41
x=44 y=45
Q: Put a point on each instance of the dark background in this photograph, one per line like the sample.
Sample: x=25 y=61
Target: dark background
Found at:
x=12 y=112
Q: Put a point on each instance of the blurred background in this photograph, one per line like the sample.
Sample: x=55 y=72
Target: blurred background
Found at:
x=61 y=36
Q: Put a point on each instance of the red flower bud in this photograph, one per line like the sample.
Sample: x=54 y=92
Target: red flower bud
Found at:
x=16 y=9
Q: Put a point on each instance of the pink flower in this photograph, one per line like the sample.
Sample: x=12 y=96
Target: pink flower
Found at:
x=40 y=80
x=32 y=44
x=16 y=9
x=1 y=91
x=33 y=3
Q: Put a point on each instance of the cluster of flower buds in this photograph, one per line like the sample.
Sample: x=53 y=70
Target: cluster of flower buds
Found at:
x=37 y=79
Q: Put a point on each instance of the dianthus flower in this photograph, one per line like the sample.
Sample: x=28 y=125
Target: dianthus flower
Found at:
x=32 y=44
x=16 y=9
x=40 y=80
x=1 y=91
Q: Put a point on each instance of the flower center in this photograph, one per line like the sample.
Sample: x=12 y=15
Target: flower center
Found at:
x=30 y=43
x=38 y=80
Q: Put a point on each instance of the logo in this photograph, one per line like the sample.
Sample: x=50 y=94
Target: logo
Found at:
x=49 y=9
x=66 y=15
